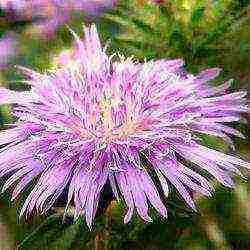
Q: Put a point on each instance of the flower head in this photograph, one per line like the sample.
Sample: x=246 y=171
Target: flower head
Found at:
x=94 y=120
x=51 y=14
x=8 y=45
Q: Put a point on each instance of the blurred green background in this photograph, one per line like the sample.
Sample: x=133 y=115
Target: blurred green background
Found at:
x=206 y=33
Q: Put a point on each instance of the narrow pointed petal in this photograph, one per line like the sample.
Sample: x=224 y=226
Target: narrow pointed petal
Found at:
x=97 y=184
x=178 y=185
x=10 y=96
x=152 y=193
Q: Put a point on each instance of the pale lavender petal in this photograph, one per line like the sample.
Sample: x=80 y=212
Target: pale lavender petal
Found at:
x=19 y=133
x=114 y=186
x=208 y=74
x=138 y=194
x=177 y=184
x=126 y=193
x=49 y=187
x=10 y=96
x=97 y=184
x=152 y=193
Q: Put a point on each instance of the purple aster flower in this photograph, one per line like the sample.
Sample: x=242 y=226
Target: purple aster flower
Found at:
x=94 y=121
x=53 y=13
x=8 y=50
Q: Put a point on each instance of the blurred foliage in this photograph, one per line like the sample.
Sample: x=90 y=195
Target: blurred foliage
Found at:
x=221 y=223
x=194 y=30
x=206 y=33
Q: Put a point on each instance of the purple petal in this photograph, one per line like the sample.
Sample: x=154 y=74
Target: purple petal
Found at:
x=126 y=193
x=177 y=184
x=19 y=133
x=97 y=184
x=9 y=96
x=139 y=196
x=50 y=185
x=208 y=74
x=152 y=193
